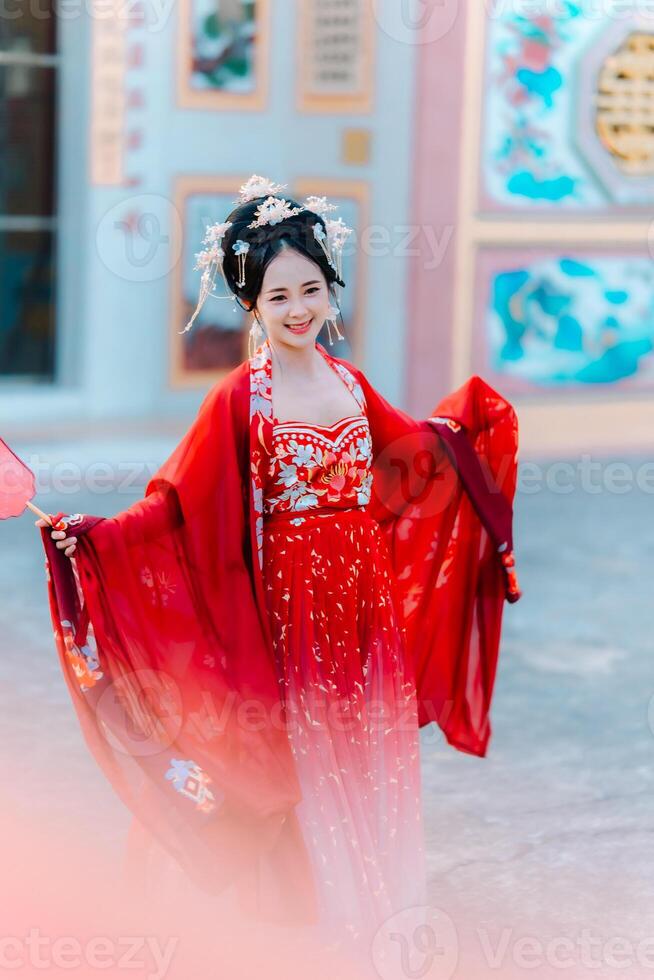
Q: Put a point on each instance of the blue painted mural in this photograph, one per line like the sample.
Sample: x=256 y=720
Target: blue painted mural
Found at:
x=529 y=157
x=573 y=321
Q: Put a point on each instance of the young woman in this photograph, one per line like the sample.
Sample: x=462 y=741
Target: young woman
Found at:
x=311 y=577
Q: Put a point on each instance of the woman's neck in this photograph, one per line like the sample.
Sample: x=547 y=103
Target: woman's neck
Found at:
x=296 y=362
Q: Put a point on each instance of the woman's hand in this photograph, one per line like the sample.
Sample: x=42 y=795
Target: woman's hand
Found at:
x=67 y=545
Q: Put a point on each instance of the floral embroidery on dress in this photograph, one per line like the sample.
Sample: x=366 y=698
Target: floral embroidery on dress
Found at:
x=159 y=586
x=189 y=779
x=67 y=521
x=351 y=382
x=343 y=464
x=316 y=465
x=83 y=660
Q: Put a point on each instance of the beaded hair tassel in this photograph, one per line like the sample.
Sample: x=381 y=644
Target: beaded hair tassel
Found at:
x=241 y=249
x=210 y=261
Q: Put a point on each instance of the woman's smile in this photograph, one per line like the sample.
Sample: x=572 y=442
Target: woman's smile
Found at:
x=300 y=327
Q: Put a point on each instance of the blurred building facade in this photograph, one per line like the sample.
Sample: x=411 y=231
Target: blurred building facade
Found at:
x=497 y=165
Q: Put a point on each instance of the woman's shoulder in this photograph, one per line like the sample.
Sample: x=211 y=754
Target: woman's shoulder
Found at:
x=343 y=361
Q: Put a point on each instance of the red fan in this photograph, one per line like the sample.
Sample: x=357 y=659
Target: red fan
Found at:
x=17 y=485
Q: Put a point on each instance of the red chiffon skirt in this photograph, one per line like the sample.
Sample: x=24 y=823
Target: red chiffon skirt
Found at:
x=349 y=696
x=351 y=711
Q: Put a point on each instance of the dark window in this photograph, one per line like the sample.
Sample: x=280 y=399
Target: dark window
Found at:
x=28 y=66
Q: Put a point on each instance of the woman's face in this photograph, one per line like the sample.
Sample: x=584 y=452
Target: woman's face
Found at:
x=294 y=300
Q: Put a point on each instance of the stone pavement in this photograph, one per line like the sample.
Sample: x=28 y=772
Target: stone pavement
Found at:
x=549 y=835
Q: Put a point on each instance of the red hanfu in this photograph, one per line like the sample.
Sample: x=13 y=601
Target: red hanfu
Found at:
x=252 y=648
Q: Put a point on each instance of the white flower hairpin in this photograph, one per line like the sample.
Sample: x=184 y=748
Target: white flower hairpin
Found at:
x=272 y=211
x=258 y=187
x=209 y=261
x=319 y=205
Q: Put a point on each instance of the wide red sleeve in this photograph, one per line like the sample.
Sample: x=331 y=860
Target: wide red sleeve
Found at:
x=443 y=490
x=167 y=660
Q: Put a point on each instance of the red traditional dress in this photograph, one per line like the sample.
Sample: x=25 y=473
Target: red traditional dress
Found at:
x=253 y=647
x=347 y=680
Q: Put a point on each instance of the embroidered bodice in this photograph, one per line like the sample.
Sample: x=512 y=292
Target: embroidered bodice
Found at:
x=298 y=466
x=315 y=466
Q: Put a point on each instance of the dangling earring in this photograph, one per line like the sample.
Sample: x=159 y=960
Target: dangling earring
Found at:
x=257 y=335
x=330 y=320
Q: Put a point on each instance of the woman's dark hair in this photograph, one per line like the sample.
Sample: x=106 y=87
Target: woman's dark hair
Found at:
x=265 y=243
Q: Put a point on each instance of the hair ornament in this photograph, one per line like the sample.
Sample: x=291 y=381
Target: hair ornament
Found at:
x=256 y=335
x=332 y=241
x=209 y=261
x=258 y=187
x=337 y=235
x=320 y=235
x=272 y=211
x=331 y=322
x=241 y=249
x=319 y=205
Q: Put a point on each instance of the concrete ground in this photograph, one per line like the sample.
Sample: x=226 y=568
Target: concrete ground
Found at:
x=540 y=855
